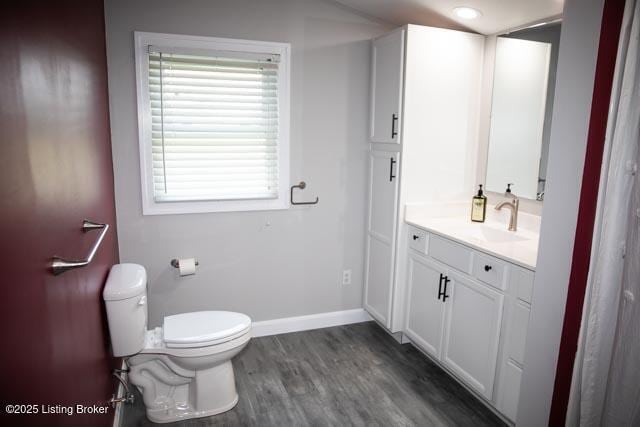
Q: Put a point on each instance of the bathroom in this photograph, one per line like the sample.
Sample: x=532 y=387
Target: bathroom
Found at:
x=304 y=242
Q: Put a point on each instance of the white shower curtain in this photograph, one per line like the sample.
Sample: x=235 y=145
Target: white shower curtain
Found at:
x=605 y=389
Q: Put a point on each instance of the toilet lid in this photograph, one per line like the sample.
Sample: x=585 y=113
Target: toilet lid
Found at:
x=202 y=328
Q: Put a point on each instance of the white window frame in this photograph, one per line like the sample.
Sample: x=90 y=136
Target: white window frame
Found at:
x=142 y=41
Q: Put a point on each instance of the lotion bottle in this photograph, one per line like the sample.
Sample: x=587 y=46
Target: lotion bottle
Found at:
x=479 y=206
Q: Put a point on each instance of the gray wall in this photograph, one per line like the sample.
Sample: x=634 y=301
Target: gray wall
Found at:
x=268 y=264
x=569 y=129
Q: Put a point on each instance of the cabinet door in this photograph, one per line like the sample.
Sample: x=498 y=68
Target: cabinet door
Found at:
x=425 y=309
x=472 y=332
x=513 y=355
x=381 y=233
x=386 y=88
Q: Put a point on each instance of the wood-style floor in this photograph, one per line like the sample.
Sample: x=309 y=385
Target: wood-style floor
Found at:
x=341 y=376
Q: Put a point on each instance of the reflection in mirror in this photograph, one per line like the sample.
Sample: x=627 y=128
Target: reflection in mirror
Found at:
x=521 y=110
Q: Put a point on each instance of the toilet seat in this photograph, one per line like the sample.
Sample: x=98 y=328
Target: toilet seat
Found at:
x=195 y=335
x=203 y=328
x=155 y=345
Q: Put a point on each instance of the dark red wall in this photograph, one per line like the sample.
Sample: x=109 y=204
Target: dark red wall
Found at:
x=55 y=170
x=605 y=69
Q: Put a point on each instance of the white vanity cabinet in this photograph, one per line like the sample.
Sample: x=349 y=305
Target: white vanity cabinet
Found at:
x=469 y=311
x=455 y=319
x=425 y=97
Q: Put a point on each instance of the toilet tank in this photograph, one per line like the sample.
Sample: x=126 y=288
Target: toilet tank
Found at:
x=125 y=296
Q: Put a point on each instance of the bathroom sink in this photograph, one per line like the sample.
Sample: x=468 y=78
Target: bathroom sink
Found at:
x=490 y=234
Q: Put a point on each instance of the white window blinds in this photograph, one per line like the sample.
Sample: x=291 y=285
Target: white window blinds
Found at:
x=214 y=125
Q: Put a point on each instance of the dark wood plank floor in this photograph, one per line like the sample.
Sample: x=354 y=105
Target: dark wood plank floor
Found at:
x=347 y=375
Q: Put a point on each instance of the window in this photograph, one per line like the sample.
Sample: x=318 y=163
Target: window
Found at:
x=213 y=117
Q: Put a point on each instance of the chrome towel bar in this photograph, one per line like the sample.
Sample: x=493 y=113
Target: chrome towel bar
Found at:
x=60 y=265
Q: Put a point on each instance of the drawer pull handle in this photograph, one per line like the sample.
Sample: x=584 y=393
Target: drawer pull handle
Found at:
x=392 y=162
x=487 y=268
x=394 y=119
x=444 y=292
x=415 y=237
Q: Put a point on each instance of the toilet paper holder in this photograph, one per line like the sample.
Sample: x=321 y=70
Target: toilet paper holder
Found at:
x=176 y=264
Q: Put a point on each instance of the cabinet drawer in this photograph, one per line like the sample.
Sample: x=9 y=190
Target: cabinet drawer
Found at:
x=418 y=239
x=489 y=270
x=450 y=253
x=523 y=281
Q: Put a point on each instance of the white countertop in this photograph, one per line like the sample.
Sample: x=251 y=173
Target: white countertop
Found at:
x=492 y=237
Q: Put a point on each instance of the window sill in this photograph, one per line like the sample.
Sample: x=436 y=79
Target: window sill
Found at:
x=177 y=208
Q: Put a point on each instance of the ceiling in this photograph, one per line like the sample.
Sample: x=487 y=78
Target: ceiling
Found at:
x=497 y=15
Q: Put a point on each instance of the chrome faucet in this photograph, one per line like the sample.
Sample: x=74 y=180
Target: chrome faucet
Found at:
x=512 y=205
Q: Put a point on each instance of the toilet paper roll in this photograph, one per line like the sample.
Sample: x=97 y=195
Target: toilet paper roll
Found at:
x=187 y=266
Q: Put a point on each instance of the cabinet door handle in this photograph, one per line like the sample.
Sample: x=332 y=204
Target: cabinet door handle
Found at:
x=440 y=293
x=394 y=120
x=487 y=268
x=415 y=237
x=392 y=162
x=444 y=292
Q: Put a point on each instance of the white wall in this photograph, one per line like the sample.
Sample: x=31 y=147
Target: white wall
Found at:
x=266 y=264
x=441 y=117
x=572 y=106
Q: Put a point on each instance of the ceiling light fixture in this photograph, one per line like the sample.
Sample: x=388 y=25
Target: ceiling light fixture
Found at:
x=465 y=12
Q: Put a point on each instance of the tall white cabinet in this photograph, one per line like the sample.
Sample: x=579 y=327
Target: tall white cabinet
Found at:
x=381 y=232
x=386 y=88
x=425 y=99
x=387 y=79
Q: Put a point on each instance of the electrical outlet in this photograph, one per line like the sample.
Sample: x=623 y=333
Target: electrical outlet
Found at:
x=346 y=277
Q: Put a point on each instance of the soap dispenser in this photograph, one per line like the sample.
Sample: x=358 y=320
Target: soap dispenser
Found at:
x=479 y=206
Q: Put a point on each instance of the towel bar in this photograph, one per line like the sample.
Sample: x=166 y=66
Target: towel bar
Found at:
x=60 y=265
x=301 y=186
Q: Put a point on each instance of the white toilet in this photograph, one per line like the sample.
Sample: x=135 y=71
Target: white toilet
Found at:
x=182 y=369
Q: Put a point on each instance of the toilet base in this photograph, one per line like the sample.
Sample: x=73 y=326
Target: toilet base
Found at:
x=209 y=392
x=158 y=416
x=184 y=383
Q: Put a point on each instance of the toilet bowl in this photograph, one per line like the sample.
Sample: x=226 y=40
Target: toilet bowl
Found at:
x=183 y=369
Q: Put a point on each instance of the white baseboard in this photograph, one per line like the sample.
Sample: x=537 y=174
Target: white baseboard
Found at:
x=312 y=321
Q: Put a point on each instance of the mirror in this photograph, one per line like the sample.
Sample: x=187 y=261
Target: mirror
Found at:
x=521 y=109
